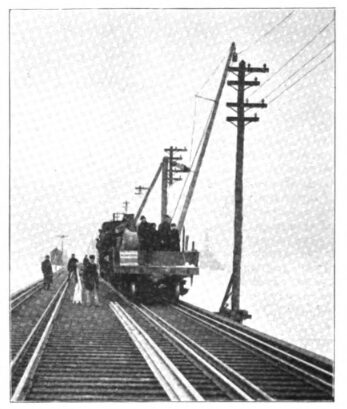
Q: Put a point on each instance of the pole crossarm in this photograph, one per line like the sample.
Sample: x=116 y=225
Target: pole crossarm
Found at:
x=139 y=189
x=246 y=119
x=172 y=162
x=253 y=83
x=250 y=69
x=247 y=105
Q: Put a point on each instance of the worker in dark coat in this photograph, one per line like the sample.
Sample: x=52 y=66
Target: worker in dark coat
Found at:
x=91 y=281
x=164 y=230
x=143 y=234
x=85 y=261
x=47 y=271
x=174 y=238
x=72 y=268
x=154 y=237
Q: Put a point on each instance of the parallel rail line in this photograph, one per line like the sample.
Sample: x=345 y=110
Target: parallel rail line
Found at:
x=124 y=351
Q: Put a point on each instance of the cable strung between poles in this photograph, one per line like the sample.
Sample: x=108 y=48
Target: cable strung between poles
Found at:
x=303 y=76
x=268 y=32
x=295 y=55
x=299 y=69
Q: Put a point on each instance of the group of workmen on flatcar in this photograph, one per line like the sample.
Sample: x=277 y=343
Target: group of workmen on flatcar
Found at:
x=166 y=238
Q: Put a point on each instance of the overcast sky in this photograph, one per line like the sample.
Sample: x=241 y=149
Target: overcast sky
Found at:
x=96 y=95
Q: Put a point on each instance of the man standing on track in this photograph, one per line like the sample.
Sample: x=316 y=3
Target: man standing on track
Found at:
x=72 y=267
x=91 y=281
x=47 y=271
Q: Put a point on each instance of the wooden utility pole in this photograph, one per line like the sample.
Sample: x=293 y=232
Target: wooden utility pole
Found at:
x=126 y=204
x=232 y=55
x=172 y=162
x=233 y=288
x=139 y=189
x=164 y=183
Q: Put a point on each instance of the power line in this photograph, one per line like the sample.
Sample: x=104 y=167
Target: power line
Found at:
x=299 y=69
x=303 y=76
x=268 y=32
x=250 y=46
x=212 y=74
x=295 y=55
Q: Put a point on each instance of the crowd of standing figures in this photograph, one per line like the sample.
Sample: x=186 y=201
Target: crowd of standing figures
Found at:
x=166 y=238
x=84 y=277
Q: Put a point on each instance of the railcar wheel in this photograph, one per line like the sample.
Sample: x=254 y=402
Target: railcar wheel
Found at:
x=174 y=292
x=133 y=289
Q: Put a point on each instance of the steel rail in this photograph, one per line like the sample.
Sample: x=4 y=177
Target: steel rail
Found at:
x=17 y=301
x=22 y=295
x=30 y=337
x=284 y=345
x=192 y=345
x=207 y=322
x=203 y=362
x=177 y=387
x=21 y=389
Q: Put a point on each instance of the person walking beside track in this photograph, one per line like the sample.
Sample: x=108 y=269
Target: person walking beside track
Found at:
x=91 y=281
x=47 y=271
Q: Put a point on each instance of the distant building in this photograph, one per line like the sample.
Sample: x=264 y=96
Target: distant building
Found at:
x=57 y=257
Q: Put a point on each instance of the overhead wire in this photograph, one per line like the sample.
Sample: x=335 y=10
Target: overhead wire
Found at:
x=288 y=16
x=299 y=69
x=211 y=75
x=300 y=78
x=294 y=56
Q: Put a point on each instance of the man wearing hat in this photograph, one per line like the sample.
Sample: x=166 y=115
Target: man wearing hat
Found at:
x=174 y=238
x=47 y=271
x=164 y=230
x=72 y=267
x=143 y=234
x=91 y=281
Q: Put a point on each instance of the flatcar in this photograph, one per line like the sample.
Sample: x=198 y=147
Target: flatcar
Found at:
x=162 y=275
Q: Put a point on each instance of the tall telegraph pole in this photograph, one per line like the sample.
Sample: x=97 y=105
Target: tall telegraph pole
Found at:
x=233 y=288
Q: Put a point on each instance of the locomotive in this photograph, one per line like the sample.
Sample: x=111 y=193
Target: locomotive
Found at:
x=128 y=269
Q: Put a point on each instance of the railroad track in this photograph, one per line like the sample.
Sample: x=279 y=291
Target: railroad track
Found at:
x=263 y=367
x=88 y=354
x=28 y=308
x=122 y=351
x=19 y=297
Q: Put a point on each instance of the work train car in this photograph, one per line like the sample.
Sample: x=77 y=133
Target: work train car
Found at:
x=160 y=274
